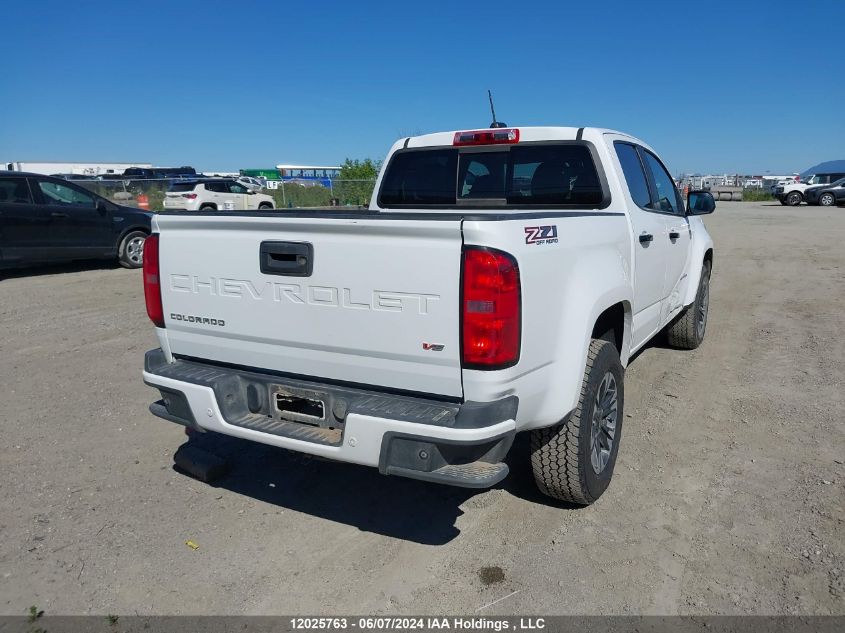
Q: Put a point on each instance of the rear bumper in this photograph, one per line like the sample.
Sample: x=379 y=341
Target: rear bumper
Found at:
x=433 y=440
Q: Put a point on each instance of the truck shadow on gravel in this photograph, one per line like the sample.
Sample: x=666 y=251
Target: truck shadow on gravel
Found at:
x=58 y=269
x=360 y=496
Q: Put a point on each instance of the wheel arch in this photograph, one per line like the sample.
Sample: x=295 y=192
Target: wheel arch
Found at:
x=616 y=321
x=702 y=251
x=124 y=232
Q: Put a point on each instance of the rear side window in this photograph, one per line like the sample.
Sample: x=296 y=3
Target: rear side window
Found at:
x=14 y=191
x=216 y=187
x=634 y=174
x=182 y=186
x=538 y=174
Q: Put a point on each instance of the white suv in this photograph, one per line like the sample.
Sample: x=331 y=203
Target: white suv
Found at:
x=214 y=195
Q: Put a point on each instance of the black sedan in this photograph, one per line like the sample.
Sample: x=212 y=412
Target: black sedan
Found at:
x=826 y=195
x=45 y=219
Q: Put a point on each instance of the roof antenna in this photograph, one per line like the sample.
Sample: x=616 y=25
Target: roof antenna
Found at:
x=495 y=123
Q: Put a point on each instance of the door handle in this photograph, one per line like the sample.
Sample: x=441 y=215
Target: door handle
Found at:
x=57 y=214
x=646 y=237
x=674 y=235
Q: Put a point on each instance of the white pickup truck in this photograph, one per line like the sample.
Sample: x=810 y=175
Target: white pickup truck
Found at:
x=498 y=282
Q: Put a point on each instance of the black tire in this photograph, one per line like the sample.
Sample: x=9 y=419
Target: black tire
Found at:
x=794 y=199
x=130 y=252
x=827 y=199
x=208 y=207
x=783 y=202
x=562 y=456
x=265 y=206
x=688 y=329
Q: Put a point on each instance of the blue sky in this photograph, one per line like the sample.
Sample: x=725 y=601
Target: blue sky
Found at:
x=742 y=86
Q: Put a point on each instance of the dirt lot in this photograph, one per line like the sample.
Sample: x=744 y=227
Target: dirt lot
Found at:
x=729 y=494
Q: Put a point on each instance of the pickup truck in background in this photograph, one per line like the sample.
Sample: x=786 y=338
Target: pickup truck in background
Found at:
x=499 y=283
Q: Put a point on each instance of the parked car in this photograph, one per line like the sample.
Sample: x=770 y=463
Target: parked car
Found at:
x=772 y=185
x=253 y=184
x=499 y=282
x=792 y=194
x=217 y=194
x=159 y=173
x=826 y=195
x=47 y=219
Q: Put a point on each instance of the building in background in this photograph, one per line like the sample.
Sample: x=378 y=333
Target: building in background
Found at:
x=267 y=173
x=308 y=174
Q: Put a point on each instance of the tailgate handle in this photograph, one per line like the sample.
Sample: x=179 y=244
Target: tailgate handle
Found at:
x=291 y=259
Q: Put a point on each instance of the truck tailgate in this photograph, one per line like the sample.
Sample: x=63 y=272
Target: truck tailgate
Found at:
x=365 y=300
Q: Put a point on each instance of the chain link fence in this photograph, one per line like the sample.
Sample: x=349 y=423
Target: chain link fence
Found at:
x=298 y=194
x=149 y=194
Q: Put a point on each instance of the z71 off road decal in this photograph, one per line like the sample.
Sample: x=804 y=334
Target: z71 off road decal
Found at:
x=541 y=234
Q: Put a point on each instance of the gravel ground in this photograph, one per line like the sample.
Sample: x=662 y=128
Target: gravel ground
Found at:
x=728 y=498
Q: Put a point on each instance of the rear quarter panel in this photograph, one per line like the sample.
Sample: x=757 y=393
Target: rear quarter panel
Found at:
x=565 y=286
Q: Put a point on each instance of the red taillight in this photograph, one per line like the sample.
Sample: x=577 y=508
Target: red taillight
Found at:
x=152 y=283
x=490 y=309
x=495 y=136
x=190 y=196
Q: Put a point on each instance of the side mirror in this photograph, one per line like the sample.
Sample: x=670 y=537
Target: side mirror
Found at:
x=700 y=203
x=102 y=206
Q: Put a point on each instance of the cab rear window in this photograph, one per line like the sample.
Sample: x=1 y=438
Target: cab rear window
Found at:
x=538 y=175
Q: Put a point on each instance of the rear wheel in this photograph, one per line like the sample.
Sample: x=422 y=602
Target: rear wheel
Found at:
x=827 y=199
x=208 y=207
x=131 y=250
x=794 y=199
x=265 y=206
x=687 y=330
x=574 y=461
